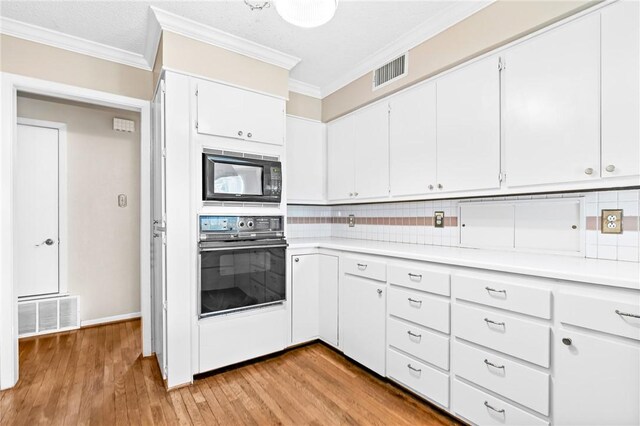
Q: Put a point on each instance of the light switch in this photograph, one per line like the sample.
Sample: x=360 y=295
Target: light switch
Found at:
x=611 y=222
x=122 y=200
x=438 y=219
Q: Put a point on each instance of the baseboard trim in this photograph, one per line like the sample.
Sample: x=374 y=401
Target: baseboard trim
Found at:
x=107 y=320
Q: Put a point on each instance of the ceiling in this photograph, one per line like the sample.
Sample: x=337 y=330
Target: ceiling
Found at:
x=358 y=30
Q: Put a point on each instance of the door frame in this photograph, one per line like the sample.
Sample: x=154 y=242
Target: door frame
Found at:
x=62 y=196
x=10 y=84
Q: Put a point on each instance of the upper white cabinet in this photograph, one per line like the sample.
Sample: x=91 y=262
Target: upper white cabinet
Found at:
x=306 y=160
x=341 y=146
x=552 y=106
x=468 y=127
x=412 y=141
x=241 y=114
x=620 y=89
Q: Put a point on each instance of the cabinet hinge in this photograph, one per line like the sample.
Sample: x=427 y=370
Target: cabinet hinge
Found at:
x=196 y=92
x=162 y=88
x=501 y=64
x=502 y=177
x=164 y=152
x=196 y=125
x=164 y=305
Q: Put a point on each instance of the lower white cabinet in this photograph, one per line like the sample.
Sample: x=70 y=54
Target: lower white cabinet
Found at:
x=362 y=321
x=597 y=380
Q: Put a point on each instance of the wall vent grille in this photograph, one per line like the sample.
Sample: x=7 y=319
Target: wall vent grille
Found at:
x=390 y=72
x=48 y=315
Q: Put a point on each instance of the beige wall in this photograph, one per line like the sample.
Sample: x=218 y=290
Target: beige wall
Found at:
x=104 y=239
x=304 y=106
x=38 y=60
x=195 y=57
x=493 y=26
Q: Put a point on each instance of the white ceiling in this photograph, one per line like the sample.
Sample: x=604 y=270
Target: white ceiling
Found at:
x=358 y=30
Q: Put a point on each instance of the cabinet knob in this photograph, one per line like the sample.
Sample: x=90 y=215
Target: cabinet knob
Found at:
x=351 y=194
x=588 y=171
x=240 y=133
x=297 y=259
x=566 y=341
x=355 y=194
x=439 y=186
x=379 y=291
x=249 y=135
x=610 y=168
x=430 y=187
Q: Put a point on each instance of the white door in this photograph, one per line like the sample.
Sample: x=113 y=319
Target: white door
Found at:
x=469 y=127
x=306 y=160
x=341 y=159
x=596 y=382
x=263 y=118
x=305 y=307
x=552 y=106
x=328 y=299
x=621 y=89
x=362 y=314
x=36 y=241
x=372 y=152
x=220 y=110
x=412 y=141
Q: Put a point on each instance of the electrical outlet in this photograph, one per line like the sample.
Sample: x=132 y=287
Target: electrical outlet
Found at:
x=611 y=222
x=352 y=220
x=438 y=219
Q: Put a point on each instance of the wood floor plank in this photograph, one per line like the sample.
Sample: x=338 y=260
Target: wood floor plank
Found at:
x=97 y=376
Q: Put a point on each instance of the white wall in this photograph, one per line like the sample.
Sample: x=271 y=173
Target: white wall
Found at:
x=104 y=239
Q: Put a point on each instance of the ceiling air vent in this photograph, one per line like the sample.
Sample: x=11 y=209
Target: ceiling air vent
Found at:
x=389 y=72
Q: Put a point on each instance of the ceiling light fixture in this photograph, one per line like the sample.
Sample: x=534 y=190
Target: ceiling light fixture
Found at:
x=306 y=13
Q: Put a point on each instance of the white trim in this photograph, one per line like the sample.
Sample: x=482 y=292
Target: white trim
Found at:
x=298 y=117
x=195 y=30
x=304 y=88
x=10 y=84
x=83 y=46
x=433 y=26
x=114 y=318
x=154 y=34
x=63 y=249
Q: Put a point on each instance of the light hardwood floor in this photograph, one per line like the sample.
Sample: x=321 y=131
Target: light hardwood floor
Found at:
x=98 y=376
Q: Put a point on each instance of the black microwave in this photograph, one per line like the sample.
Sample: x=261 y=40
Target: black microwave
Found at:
x=227 y=178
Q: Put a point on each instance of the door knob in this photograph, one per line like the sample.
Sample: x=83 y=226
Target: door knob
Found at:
x=566 y=341
x=610 y=168
x=48 y=242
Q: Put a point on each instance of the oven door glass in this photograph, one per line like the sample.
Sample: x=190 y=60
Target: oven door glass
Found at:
x=235 y=279
x=237 y=179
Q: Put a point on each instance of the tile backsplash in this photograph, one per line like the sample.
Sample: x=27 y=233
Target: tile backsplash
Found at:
x=412 y=222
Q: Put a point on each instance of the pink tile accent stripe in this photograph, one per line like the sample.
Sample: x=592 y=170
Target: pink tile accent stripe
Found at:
x=390 y=221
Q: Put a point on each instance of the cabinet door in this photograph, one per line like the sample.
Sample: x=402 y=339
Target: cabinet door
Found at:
x=621 y=89
x=412 y=141
x=468 y=109
x=372 y=152
x=220 y=110
x=264 y=118
x=304 y=303
x=306 y=159
x=328 y=299
x=597 y=381
x=362 y=315
x=340 y=159
x=552 y=106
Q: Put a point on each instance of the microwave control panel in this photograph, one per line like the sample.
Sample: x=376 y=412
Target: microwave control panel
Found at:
x=240 y=225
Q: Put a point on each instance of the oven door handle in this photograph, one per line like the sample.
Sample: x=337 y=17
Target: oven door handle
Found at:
x=242 y=247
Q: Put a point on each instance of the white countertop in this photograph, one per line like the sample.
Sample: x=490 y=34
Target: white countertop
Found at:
x=594 y=271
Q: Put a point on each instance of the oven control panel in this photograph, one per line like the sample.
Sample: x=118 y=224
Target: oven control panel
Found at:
x=213 y=227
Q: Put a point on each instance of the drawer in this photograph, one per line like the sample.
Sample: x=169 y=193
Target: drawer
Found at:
x=420 y=279
x=418 y=342
x=418 y=377
x=600 y=314
x=365 y=268
x=420 y=308
x=510 y=379
x=483 y=409
x=500 y=294
x=522 y=339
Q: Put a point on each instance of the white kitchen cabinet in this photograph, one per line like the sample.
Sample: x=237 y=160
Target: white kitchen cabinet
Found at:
x=620 y=63
x=372 y=152
x=597 y=380
x=341 y=150
x=306 y=160
x=468 y=127
x=362 y=321
x=552 y=106
x=231 y=112
x=412 y=141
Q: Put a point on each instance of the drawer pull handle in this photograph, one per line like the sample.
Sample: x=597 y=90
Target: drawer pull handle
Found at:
x=486 y=404
x=489 y=289
x=488 y=321
x=626 y=314
x=412 y=276
x=419 y=302
x=362 y=266
x=486 y=361
x=419 y=336
x=417 y=370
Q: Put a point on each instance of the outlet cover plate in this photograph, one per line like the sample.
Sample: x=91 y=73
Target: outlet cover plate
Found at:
x=352 y=220
x=438 y=219
x=611 y=221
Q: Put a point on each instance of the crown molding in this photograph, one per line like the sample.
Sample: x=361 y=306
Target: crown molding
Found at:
x=195 y=30
x=60 y=40
x=433 y=26
x=154 y=34
x=304 y=88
